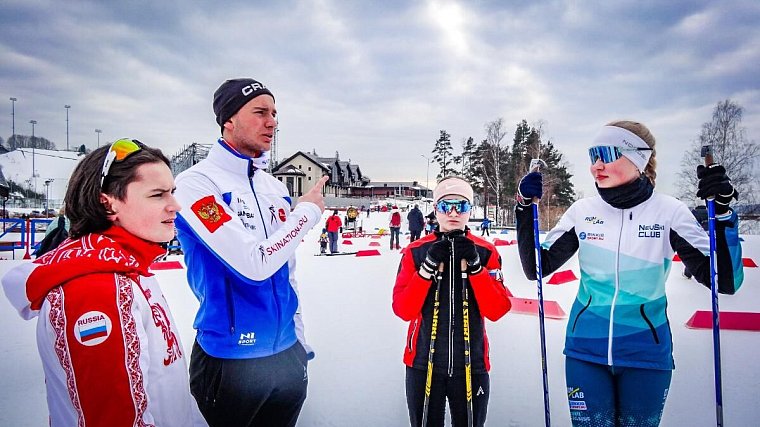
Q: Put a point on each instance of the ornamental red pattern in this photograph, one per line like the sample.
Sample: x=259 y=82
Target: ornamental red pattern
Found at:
x=161 y=320
x=58 y=322
x=124 y=299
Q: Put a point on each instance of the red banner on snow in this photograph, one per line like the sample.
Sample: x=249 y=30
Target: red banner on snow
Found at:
x=166 y=265
x=368 y=252
x=561 y=277
x=734 y=320
x=552 y=309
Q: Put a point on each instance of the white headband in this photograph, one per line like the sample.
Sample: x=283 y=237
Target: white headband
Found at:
x=623 y=138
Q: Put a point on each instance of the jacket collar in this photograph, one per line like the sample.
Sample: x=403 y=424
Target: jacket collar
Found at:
x=223 y=155
x=113 y=251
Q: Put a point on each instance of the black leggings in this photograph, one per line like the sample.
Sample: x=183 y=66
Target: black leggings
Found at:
x=444 y=387
x=267 y=391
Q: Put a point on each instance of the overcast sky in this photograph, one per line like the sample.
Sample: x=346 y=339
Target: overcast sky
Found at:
x=377 y=80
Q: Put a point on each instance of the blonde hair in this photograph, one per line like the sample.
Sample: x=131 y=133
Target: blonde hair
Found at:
x=642 y=132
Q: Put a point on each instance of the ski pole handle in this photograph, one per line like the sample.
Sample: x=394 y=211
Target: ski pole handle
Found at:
x=706 y=154
x=535 y=166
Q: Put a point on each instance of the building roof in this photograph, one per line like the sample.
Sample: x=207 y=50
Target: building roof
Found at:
x=308 y=156
x=288 y=170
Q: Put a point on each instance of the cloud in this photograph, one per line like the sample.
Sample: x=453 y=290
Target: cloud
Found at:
x=376 y=81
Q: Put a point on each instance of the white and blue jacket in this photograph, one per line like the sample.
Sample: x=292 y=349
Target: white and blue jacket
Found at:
x=239 y=237
x=619 y=317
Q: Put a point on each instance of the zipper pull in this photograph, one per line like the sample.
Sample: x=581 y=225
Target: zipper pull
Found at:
x=630 y=216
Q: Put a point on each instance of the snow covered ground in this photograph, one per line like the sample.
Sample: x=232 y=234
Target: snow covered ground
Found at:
x=357 y=377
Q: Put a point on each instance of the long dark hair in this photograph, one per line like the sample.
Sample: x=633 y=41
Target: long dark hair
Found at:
x=83 y=205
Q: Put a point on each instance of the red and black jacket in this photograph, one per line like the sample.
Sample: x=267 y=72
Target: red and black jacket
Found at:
x=413 y=299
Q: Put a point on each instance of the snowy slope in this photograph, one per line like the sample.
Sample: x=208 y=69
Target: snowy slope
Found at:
x=357 y=378
x=58 y=165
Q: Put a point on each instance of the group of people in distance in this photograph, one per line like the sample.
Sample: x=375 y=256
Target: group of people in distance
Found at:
x=110 y=347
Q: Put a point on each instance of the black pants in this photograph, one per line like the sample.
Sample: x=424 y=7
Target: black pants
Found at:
x=444 y=387
x=267 y=391
x=414 y=235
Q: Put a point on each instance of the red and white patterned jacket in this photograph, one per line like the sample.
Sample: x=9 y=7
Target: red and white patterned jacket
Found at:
x=110 y=348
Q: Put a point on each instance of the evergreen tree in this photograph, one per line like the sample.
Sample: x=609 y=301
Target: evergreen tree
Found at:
x=472 y=164
x=442 y=153
x=517 y=158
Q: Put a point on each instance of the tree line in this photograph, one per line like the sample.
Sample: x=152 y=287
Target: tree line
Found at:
x=494 y=168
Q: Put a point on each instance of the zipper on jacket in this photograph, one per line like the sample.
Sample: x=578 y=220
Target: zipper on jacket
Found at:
x=258 y=206
x=411 y=336
x=617 y=289
x=451 y=311
x=230 y=305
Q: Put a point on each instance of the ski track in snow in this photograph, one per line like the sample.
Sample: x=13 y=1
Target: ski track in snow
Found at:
x=357 y=377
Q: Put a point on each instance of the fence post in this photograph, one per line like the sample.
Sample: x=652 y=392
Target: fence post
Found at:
x=26 y=255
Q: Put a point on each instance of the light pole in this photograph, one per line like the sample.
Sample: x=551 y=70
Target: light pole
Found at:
x=67 y=125
x=34 y=175
x=98 y=131
x=13 y=118
x=47 y=199
x=427 y=175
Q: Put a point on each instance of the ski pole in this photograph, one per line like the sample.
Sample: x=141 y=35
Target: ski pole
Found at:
x=467 y=355
x=433 y=332
x=535 y=164
x=707 y=154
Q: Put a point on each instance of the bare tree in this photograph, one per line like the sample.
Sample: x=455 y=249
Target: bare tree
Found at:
x=730 y=148
x=492 y=160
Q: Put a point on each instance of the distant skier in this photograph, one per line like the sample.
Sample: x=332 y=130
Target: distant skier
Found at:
x=333 y=225
x=484 y=226
x=323 y=241
x=618 y=349
x=419 y=282
x=416 y=223
x=395 y=226
x=431 y=224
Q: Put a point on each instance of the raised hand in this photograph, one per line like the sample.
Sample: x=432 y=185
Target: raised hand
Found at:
x=531 y=187
x=315 y=194
x=715 y=184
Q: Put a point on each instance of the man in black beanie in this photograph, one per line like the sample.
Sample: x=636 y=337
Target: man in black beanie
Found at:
x=239 y=236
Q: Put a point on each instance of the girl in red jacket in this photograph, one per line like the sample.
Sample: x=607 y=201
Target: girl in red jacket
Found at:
x=109 y=346
x=448 y=282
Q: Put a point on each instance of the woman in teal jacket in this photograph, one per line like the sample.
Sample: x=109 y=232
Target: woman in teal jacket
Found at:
x=618 y=343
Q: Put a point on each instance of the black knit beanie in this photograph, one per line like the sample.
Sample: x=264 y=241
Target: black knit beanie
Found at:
x=233 y=94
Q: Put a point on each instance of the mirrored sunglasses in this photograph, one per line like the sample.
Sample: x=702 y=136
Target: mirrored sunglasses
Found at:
x=445 y=206
x=118 y=151
x=609 y=153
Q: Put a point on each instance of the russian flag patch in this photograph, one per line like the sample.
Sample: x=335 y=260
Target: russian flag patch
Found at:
x=92 y=328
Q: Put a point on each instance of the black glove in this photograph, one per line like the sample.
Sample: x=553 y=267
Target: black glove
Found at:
x=531 y=185
x=714 y=183
x=464 y=248
x=437 y=253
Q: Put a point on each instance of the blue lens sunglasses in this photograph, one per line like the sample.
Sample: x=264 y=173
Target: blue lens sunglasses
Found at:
x=609 y=153
x=445 y=206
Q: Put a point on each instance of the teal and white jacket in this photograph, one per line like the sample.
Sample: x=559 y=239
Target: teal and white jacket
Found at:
x=239 y=237
x=619 y=317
